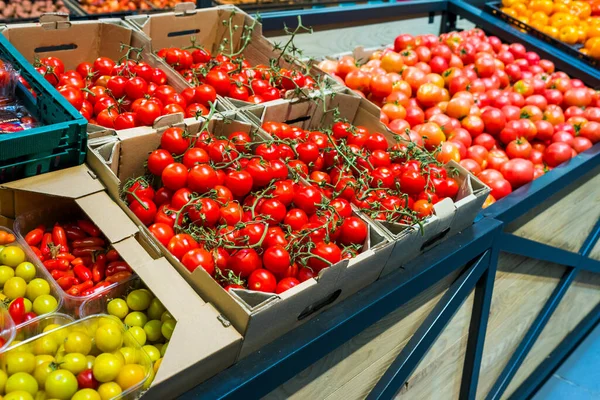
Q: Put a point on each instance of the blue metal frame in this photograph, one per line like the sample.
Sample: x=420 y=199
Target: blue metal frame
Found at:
x=478 y=247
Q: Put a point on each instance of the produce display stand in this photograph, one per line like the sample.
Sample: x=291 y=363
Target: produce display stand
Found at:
x=489 y=312
x=493 y=314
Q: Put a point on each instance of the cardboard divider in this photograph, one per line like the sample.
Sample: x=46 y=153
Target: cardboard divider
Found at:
x=77 y=41
x=205 y=26
x=260 y=317
x=409 y=241
x=202 y=345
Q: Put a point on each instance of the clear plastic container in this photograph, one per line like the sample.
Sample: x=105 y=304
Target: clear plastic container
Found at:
x=40 y=272
x=66 y=211
x=34 y=328
x=87 y=326
x=98 y=303
x=7 y=329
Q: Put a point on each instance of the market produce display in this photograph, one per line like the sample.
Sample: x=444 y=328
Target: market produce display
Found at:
x=502 y=112
x=14 y=117
x=572 y=22
x=26 y=291
x=113 y=6
x=94 y=358
x=121 y=94
x=17 y=9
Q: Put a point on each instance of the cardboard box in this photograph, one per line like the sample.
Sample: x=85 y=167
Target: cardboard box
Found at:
x=77 y=41
x=449 y=217
x=201 y=345
x=206 y=27
x=260 y=317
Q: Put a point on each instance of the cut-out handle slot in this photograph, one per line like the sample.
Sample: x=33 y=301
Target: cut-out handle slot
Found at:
x=60 y=47
x=183 y=33
x=313 y=308
x=435 y=239
x=299 y=119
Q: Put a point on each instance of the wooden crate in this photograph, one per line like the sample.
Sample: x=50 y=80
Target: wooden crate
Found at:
x=521 y=288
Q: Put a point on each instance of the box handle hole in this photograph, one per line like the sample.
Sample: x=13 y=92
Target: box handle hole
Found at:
x=183 y=33
x=60 y=47
x=313 y=308
x=296 y=120
x=435 y=239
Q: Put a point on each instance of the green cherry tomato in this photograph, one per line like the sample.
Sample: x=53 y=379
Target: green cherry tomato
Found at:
x=156 y=309
x=15 y=287
x=131 y=355
x=25 y=270
x=19 y=361
x=136 y=318
x=46 y=345
x=61 y=384
x=109 y=390
x=118 y=308
x=139 y=334
x=22 y=381
x=163 y=349
x=39 y=360
x=18 y=395
x=28 y=304
x=78 y=342
x=109 y=338
x=74 y=362
x=42 y=372
x=152 y=351
x=12 y=256
x=107 y=367
x=165 y=316
x=86 y=394
x=44 y=304
x=152 y=329
x=3 y=378
x=37 y=287
x=139 y=299
x=167 y=328
x=6 y=273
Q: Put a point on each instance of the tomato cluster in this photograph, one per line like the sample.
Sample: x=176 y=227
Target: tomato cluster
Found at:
x=24 y=293
x=122 y=95
x=394 y=183
x=234 y=77
x=78 y=257
x=93 y=359
x=499 y=110
x=231 y=206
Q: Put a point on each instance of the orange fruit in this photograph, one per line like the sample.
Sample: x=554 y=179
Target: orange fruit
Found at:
x=569 y=34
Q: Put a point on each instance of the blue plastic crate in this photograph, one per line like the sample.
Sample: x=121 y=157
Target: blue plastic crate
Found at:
x=60 y=140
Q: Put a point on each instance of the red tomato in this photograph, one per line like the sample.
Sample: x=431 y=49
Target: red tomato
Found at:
x=518 y=172
x=262 y=280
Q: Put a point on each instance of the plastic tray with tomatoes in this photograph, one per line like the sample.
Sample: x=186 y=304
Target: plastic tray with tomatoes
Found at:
x=94 y=357
x=26 y=289
x=96 y=262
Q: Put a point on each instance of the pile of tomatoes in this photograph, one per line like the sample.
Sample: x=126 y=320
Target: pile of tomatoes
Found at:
x=92 y=359
x=23 y=292
x=572 y=22
x=121 y=95
x=231 y=206
x=234 y=77
x=499 y=110
x=394 y=183
x=78 y=257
